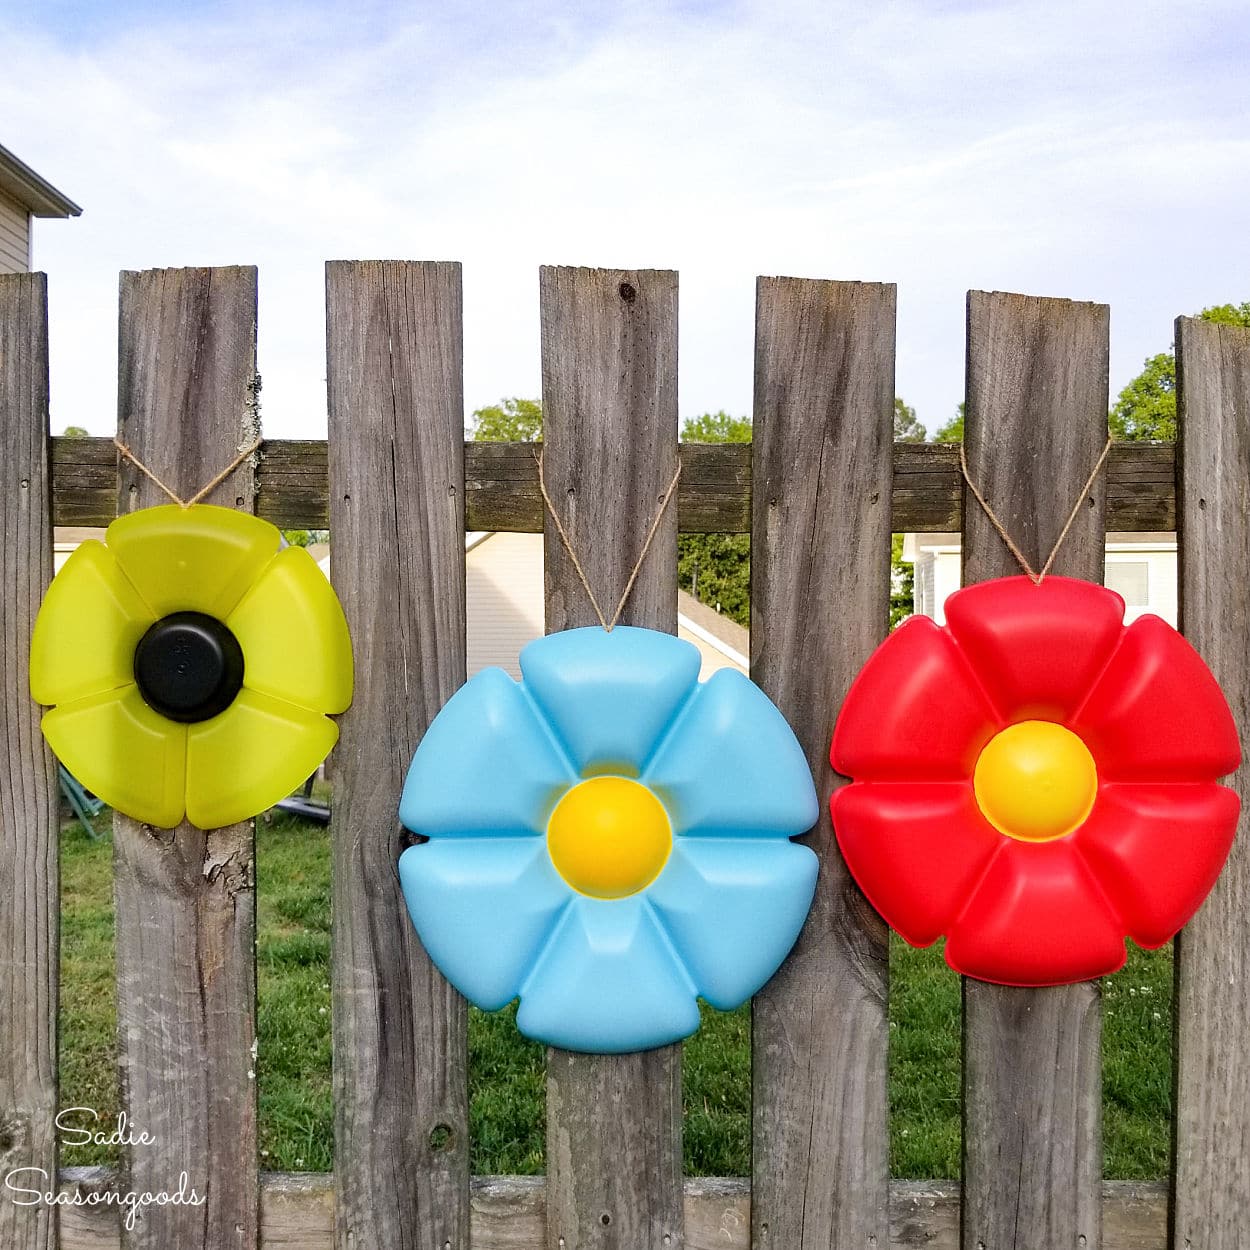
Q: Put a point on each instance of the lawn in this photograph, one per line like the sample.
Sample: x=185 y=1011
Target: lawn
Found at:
x=506 y=1071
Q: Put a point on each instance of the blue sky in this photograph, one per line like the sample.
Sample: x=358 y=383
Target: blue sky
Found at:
x=1093 y=151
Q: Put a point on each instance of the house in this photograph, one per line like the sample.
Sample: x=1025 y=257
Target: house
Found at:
x=24 y=195
x=504 y=591
x=1141 y=568
x=504 y=607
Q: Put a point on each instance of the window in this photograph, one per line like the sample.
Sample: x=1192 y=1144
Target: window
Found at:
x=1130 y=579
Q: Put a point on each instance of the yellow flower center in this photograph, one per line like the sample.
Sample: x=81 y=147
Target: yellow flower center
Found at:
x=1035 y=781
x=609 y=837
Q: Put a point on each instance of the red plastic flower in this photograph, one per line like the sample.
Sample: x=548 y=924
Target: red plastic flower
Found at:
x=1035 y=781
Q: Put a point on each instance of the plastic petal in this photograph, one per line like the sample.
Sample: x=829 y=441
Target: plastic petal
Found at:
x=484 y=908
x=733 y=908
x=1157 y=713
x=1037 y=918
x=917 y=850
x=251 y=756
x=610 y=696
x=1157 y=850
x=608 y=982
x=87 y=629
x=121 y=750
x=487 y=765
x=732 y=765
x=199 y=559
x=914 y=712
x=294 y=636
x=1036 y=649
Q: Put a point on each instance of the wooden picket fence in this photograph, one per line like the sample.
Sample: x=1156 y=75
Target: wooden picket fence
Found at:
x=820 y=490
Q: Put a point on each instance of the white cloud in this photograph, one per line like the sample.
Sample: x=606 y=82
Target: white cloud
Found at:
x=1057 y=149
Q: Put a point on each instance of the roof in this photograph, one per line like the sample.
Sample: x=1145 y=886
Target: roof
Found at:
x=38 y=196
x=728 y=637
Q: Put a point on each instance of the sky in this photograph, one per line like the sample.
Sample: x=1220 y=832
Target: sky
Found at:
x=1092 y=151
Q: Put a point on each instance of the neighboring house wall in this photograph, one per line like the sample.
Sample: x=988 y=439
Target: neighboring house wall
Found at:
x=14 y=236
x=504 y=590
x=1141 y=568
x=504 y=594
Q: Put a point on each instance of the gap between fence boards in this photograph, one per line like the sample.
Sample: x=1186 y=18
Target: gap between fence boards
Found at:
x=714 y=495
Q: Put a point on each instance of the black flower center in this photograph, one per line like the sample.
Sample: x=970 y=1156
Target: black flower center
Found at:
x=189 y=667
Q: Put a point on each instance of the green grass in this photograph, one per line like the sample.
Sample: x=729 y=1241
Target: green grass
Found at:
x=507 y=1093
x=925 y=1054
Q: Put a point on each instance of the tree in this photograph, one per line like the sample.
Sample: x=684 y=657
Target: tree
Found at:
x=74 y=431
x=1145 y=409
x=509 y=421
x=953 y=430
x=906 y=428
x=305 y=538
x=902 y=583
x=716 y=568
x=716 y=427
x=902 y=575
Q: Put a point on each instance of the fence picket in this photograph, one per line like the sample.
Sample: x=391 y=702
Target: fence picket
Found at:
x=398 y=486
x=1211 y=1169
x=394 y=375
x=185 y=898
x=820 y=571
x=28 y=794
x=1036 y=423
x=609 y=359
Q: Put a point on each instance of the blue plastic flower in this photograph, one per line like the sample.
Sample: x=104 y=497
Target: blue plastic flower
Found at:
x=608 y=839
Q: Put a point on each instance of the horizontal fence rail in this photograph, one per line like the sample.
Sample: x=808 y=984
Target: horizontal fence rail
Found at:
x=713 y=496
x=510 y=1213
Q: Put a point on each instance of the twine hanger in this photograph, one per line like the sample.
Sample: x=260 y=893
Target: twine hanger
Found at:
x=577 y=564
x=1034 y=577
x=207 y=489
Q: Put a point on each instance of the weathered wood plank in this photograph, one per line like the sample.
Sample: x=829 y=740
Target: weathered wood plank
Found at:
x=185 y=898
x=1212 y=1118
x=1035 y=426
x=820 y=562
x=397 y=511
x=29 y=899
x=509 y=1213
x=609 y=361
x=714 y=495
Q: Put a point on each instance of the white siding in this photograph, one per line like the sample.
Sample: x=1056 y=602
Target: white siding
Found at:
x=1144 y=562
x=504 y=590
x=14 y=236
x=1143 y=565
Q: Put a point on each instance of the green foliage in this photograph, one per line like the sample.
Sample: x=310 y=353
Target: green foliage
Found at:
x=716 y=568
x=74 y=431
x=902 y=583
x=306 y=538
x=509 y=421
x=953 y=430
x=902 y=575
x=716 y=427
x=1145 y=410
x=906 y=428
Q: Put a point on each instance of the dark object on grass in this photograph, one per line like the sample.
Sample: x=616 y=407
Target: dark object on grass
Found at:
x=303 y=804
